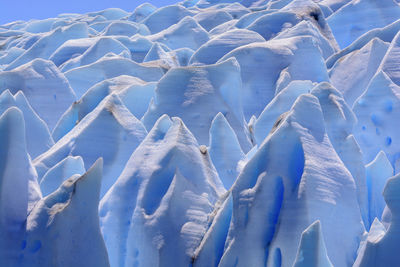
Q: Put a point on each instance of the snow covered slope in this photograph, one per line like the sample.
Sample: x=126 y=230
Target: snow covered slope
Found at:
x=208 y=133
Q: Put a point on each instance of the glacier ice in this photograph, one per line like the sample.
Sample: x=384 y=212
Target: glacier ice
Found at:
x=167 y=166
x=45 y=87
x=225 y=150
x=213 y=18
x=218 y=46
x=339 y=124
x=110 y=131
x=281 y=20
x=379 y=242
x=138 y=45
x=164 y=17
x=201 y=92
x=84 y=77
x=249 y=18
x=312 y=251
x=307 y=28
x=133 y=92
x=385 y=34
x=376 y=129
x=224 y=27
x=39 y=26
x=19 y=185
x=10 y=55
x=70 y=49
x=203 y=133
x=362 y=15
x=281 y=103
x=334 y=5
x=38 y=138
x=47 y=44
x=72 y=208
x=378 y=172
x=297 y=186
x=125 y=29
x=141 y=12
x=263 y=64
x=353 y=80
x=60 y=172
x=162 y=54
x=211 y=247
x=186 y=33
x=97 y=50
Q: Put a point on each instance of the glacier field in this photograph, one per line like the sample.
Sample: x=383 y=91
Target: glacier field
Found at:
x=204 y=133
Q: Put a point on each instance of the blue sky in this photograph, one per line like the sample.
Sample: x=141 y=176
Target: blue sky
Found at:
x=11 y=10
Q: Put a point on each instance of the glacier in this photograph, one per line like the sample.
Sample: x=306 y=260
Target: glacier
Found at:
x=226 y=133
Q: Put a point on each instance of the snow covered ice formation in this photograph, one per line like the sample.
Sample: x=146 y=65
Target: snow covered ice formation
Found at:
x=206 y=133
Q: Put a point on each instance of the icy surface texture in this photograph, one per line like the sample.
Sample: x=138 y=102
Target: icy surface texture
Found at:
x=62 y=224
x=312 y=251
x=207 y=133
x=109 y=131
x=38 y=138
x=201 y=93
x=158 y=210
x=19 y=186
